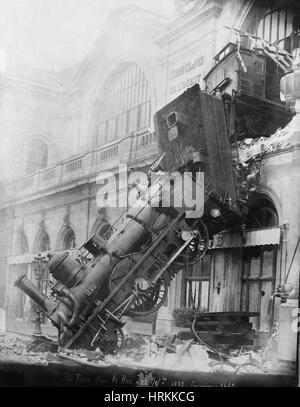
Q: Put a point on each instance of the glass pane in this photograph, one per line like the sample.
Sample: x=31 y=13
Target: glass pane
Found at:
x=133 y=119
x=192 y=293
x=289 y=26
x=124 y=90
x=194 y=270
x=254 y=296
x=255 y=262
x=204 y=295
x=205 y=266
x=268 y=257
x=281 y=33
x=260 y=29
x=195 y=290
x=244 y=296
x=267 y=28
x=274 y=33
x=111 y=129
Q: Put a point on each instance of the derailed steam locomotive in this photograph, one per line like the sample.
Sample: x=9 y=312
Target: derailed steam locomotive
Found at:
x=128 y=273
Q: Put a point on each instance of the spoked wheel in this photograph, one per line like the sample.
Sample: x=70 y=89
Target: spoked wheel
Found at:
x=148 y=298
x=183 y=231
x=110 y=340
x=141 y=296
x=197 y=247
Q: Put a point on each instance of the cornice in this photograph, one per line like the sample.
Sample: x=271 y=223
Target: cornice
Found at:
x=189 y=22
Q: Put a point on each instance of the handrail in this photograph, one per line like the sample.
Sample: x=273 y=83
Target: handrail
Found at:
x=86 y=163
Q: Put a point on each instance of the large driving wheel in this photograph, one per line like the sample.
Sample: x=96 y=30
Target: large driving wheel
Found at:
x=144 y=297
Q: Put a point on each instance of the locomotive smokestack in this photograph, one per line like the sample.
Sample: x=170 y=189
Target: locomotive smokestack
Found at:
x=44 y=302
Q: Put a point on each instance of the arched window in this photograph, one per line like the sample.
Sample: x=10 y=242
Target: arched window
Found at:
x=280 y=25
x=262 y=214
x=102 y=228
x=21 y=244
x=17 y=299
x=68 y=239
x=124 y=104
x=37 y=155
x=42 y=242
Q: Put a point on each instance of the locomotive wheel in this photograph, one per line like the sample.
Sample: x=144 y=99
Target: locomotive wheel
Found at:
x=146 y=297
x=197 y=247
x=110 y=340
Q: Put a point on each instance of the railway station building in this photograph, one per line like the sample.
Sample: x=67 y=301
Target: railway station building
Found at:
x=65 y=128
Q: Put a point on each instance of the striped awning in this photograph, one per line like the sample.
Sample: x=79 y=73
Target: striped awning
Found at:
x=257 y=237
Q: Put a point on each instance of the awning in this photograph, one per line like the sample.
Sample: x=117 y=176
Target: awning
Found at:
x=257 y=237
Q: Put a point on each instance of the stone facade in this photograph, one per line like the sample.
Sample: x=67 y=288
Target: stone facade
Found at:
x=59 y=109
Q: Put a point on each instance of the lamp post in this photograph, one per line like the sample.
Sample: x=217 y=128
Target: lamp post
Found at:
x=39 y=265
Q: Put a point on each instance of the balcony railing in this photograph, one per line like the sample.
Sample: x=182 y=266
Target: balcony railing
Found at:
x=135 y=147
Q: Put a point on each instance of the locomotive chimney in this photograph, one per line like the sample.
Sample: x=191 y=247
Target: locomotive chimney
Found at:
x=44 y=302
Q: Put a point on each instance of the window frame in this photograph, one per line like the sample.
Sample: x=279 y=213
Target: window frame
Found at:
x=120 y=105
x=247 y=278
x=197 y=274
x=36 y=147
x=270 y=14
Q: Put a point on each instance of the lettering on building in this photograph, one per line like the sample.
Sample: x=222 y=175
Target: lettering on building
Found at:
x=186 y=68
x=187 y=83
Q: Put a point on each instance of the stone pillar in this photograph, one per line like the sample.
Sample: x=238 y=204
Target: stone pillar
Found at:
x=288 y=314
x=287 y=332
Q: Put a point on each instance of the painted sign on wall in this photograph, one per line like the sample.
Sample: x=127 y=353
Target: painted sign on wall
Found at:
x=185 y=75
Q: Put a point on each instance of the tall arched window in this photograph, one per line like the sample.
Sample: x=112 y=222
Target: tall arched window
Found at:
x=68 y=239
x=21 y=244
x=102 y=228
x=262 y=214
x=37 y=155
x=280 y=25
x=42 y=242
x=124 y=105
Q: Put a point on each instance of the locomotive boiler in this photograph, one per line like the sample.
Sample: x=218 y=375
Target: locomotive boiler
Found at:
x=128 y=270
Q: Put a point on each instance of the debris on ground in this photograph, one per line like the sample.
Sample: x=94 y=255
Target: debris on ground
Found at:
x=23 y=348
x=164 y=352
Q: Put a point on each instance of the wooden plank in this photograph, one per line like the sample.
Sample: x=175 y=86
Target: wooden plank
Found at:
x=243 y=324
x=233 y=268
x=230 y=339
x=217 y=339
x=248 y=334
x=227 y=329
x=233 y=313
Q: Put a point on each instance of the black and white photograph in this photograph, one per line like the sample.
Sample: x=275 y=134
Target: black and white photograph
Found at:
x=149 y=196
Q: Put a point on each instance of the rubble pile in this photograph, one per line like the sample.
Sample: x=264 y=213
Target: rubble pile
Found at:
x=169 y=353
x=22 y=348
x=176 y=355
x=252 y=148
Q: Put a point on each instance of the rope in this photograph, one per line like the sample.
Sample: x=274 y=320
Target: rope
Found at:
x=220 y=354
